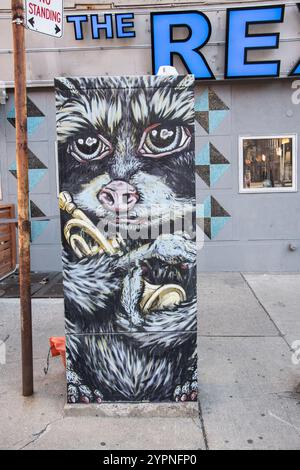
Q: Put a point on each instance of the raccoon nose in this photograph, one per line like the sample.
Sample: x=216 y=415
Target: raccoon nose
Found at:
x=118 y=196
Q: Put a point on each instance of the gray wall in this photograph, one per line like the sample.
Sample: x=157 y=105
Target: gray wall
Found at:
x=257 y=235
x=258 y=228
x=45 y=247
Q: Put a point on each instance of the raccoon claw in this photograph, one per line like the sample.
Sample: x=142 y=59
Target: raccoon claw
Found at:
x=78 y=393
x=174 y=248
x=189 y=391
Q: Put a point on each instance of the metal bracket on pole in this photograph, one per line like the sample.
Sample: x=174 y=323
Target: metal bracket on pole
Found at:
x=18 y=21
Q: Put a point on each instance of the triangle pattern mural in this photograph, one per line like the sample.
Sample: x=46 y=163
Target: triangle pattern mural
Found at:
x=210 y=110
x=36 y=170
x=211 y=164
x=212 y=217
x=34 y=120
x=37 y=226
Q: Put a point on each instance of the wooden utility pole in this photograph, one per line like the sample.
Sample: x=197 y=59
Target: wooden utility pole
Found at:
x=23 y=193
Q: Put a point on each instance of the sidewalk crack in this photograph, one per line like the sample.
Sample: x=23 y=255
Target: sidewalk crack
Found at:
x=37 y=435
x=203 y=426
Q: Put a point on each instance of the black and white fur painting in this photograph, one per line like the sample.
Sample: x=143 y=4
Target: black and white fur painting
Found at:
x=126 y=160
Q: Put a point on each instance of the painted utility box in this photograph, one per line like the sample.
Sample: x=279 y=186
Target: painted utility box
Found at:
x=127 y=200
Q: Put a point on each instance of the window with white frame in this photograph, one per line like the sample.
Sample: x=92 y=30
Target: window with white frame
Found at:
x=267 y=163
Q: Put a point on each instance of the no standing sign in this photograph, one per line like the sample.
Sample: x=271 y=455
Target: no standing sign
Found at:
x=45 y=16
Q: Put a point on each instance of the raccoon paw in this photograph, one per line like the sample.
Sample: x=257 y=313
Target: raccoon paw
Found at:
x=174 y=248
x=130 y=299
x=80 y=393
x=186 y=392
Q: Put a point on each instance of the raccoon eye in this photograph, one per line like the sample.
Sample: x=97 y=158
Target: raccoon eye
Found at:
x=160 y=140
x=90 y=147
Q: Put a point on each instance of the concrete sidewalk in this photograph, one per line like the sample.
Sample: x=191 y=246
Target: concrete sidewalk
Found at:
x=249 y=395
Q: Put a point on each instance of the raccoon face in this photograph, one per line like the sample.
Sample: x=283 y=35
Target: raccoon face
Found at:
x=128 y=148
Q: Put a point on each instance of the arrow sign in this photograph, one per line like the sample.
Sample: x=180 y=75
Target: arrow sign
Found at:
x=45 y=16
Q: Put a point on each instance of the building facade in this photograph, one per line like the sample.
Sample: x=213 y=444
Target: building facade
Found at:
x=247 y=124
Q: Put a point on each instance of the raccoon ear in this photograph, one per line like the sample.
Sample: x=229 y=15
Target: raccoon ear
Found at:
x=186 y=82
x=65 y=89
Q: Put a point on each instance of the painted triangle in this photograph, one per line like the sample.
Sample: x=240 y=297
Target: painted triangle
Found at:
x=35 y=116
x=216 y=156
x=200 y=211
x=36 y=172
x=217 y=210
x=12 y=121
x=204 y=172
x=33 y=110
x=201 y=102
x=207 y=227
x=35 y=211
x=215 y=102
x=202 y=118
x=216 y=171
x=37 y=228
x=203 y=158
x=35 y=176
x=33 y=123
x=217 y=223
x=215 y=119
x=207 y=206
x=34 y=162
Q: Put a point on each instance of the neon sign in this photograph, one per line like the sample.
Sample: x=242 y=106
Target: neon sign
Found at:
x=123 y=25
x=165 y=45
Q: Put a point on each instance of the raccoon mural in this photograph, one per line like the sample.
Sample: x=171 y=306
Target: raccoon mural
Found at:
x=127 y=200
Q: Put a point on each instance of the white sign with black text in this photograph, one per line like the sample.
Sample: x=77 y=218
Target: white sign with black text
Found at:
x=45 y=16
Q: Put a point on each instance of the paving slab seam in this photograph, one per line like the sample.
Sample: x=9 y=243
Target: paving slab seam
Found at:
x=266 y=311
x=240 y=336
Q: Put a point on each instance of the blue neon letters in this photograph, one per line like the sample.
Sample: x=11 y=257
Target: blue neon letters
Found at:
x=239 y=41
x=123 y=25
x=105 y=25
x=77 y=20
x=296 y=71
x=164 y=46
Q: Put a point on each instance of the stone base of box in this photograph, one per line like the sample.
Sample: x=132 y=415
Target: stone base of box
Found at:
x=134 y=410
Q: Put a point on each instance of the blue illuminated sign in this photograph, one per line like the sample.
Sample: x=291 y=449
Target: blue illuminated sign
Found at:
x=123 y=25
x=166 y=44
x=296 y=71
x=97 y=26
x=77 y=20
x=240 y=41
